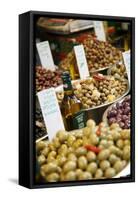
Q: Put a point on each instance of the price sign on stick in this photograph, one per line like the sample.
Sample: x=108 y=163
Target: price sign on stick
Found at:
x=81 y=61
x=126 y=57
x=51 y=111
x=45 y=55
x=99 y=30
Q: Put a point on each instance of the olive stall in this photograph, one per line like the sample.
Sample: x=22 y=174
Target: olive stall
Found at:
x=87 y=75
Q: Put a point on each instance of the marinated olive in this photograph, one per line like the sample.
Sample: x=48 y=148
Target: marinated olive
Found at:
x=82 y=162
x=109 y=172
x=69 y=165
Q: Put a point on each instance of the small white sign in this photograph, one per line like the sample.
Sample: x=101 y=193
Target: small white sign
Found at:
x=99 y=30
x=127 y=60
x=45 y=55
x=51 y=111
x=81 y=61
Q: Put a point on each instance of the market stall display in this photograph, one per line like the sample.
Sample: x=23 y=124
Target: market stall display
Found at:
x=95 y=152
x=84 y=150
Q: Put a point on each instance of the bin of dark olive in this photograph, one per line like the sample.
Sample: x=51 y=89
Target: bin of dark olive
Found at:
x=120 y=113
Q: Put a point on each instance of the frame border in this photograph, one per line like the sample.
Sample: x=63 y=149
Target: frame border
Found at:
x=32 y=16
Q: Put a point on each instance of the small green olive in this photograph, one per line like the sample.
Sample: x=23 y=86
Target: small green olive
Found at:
x=109 y=172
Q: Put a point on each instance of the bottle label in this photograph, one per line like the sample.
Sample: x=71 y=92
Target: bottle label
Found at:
x=79 y=120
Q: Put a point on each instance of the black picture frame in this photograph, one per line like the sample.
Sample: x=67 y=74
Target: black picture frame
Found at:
x=27 y=102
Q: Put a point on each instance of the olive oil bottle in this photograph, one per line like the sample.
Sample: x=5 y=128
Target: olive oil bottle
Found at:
x=71 y=107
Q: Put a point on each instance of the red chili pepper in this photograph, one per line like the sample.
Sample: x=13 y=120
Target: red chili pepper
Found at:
x=99 y=77
x=93 y=148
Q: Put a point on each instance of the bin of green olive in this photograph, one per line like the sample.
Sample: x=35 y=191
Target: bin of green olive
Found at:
x=94 y=152
x=93 y=92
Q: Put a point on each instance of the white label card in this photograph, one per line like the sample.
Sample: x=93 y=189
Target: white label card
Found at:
x=126 y=57
x=99 y=30
x=45 y=55
x=81 y=61
x=51 y=111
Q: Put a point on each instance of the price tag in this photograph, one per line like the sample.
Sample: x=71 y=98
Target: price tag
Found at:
x=81 y=61
x=126 y=57
x=51 y=111
x=45 y=55
x=99 y=30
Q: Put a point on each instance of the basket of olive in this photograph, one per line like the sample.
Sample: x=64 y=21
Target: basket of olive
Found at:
x=119 y=112
x=94 y=152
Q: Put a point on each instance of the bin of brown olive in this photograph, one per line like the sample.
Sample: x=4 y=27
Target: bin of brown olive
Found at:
x=120 y=113
x=94 y=152
x=97 y=93
x=100 y=55
x=46 y=78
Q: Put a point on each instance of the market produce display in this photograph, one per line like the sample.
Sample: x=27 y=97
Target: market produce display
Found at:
x=94 y=152
x=46 y=78
x=98 y=90
x=120 y=113
x=99 y=55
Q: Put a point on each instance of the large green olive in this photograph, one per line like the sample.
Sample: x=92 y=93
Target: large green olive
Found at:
x=94 y=139
x=85 y=176
x=126 y=152
x=70 y=176
x=91 y=156
x=49 y=168
x=80 y=151
x=90 y=123
x=92 y=167
x=53 y=177
x=69 y=165
x=104 y=154
x=62 y=135
x=98 y=174
x=113 y=158
x=109 y=172
x=82 y=162
x=71 y=156
x=41 y=159
x=104 y=164
x=118 y=166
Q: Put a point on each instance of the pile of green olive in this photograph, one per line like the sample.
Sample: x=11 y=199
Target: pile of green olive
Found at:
x=94 y=152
